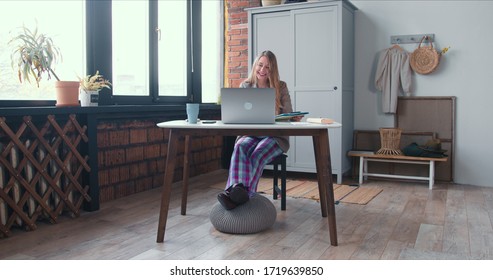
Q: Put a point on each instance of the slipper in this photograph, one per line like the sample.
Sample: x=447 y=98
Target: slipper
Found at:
x=238 y=193
x=225 y=201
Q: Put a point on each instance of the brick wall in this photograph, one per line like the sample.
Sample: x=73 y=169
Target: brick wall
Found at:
x=236 y=40
x=131 y=156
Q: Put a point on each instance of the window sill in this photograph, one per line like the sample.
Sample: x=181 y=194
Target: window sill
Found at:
x=110 y=109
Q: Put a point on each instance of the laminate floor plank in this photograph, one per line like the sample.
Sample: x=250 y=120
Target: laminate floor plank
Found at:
x=430 y=237
x=375 y=241
x=343 y=251
x=455 y=229
x=312 y=249
x=479 y=224
x=393 y=249
x=408 y=223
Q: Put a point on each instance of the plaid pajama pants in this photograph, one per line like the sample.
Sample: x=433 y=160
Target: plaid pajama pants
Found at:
x=250 y=155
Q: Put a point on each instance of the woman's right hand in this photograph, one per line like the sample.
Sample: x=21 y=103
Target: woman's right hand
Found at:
x=296 y=118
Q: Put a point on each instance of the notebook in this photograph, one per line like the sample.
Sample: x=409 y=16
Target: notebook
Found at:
x=248 y=105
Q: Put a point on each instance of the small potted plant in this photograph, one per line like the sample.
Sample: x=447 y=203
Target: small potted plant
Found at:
x=90 y=86
x=34 y=55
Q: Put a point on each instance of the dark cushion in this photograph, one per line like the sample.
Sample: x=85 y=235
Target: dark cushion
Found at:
x=256 y=215
x=414 y=150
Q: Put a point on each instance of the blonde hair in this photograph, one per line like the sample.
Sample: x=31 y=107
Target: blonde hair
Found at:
x=273 y=80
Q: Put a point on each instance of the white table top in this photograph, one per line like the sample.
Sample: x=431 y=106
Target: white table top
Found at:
x=219 y=125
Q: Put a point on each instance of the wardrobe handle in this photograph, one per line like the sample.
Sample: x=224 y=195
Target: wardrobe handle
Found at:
x=335 y=88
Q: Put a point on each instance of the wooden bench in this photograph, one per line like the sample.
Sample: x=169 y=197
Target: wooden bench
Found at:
x=365 y=157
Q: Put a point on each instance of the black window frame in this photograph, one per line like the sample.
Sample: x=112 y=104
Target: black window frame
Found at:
x=99 y=57
x=98 y=26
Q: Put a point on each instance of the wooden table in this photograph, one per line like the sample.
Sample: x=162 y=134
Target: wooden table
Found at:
x=318 y=132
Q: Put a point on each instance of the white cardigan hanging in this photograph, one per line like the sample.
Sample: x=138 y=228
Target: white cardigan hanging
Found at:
x=393 y=71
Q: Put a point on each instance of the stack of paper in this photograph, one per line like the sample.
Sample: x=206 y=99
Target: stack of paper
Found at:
x=320 y=120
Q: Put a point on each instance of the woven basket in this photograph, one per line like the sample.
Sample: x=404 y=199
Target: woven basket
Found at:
x=424 y=60
x=390 y=140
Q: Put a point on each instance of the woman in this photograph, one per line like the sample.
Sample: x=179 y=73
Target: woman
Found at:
x=252 y=153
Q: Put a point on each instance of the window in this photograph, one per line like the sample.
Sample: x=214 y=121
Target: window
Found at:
x=130 y=47
x=68 y=37
x=173 y=45
x=166 y=51
x=211 y=50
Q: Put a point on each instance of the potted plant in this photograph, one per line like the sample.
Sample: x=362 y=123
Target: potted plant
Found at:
x=90 y=86
x=34 y=55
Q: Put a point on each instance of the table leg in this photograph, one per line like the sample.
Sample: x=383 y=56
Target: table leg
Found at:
x=321 y=175
x=186 y=172
x=167 y=184
x=325 y=184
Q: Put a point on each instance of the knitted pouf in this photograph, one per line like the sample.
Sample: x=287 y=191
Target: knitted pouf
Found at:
x=256 y=215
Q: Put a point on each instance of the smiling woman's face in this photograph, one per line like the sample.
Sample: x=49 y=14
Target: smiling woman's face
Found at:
x=263 y=70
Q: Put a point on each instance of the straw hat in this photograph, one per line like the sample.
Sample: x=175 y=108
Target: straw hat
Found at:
x=424 y=59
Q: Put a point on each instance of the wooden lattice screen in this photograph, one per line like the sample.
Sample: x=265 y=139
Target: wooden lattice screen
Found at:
x=40 y=170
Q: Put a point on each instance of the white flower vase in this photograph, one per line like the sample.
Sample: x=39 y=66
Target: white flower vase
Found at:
x=88 y=98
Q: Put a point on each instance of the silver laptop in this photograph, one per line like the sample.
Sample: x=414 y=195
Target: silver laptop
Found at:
x=248 y=105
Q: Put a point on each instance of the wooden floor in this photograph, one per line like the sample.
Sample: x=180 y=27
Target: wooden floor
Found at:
x=405 y=221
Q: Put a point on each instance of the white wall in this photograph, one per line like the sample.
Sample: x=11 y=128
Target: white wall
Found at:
x=465 y=71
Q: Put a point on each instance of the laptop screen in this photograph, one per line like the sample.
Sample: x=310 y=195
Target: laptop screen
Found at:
x=248 y=105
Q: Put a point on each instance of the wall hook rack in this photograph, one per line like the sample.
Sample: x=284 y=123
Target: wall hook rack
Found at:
x=409 y=39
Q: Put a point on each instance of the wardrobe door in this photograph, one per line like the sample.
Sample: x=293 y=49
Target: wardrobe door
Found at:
x=317 y=67
x=317 y=77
